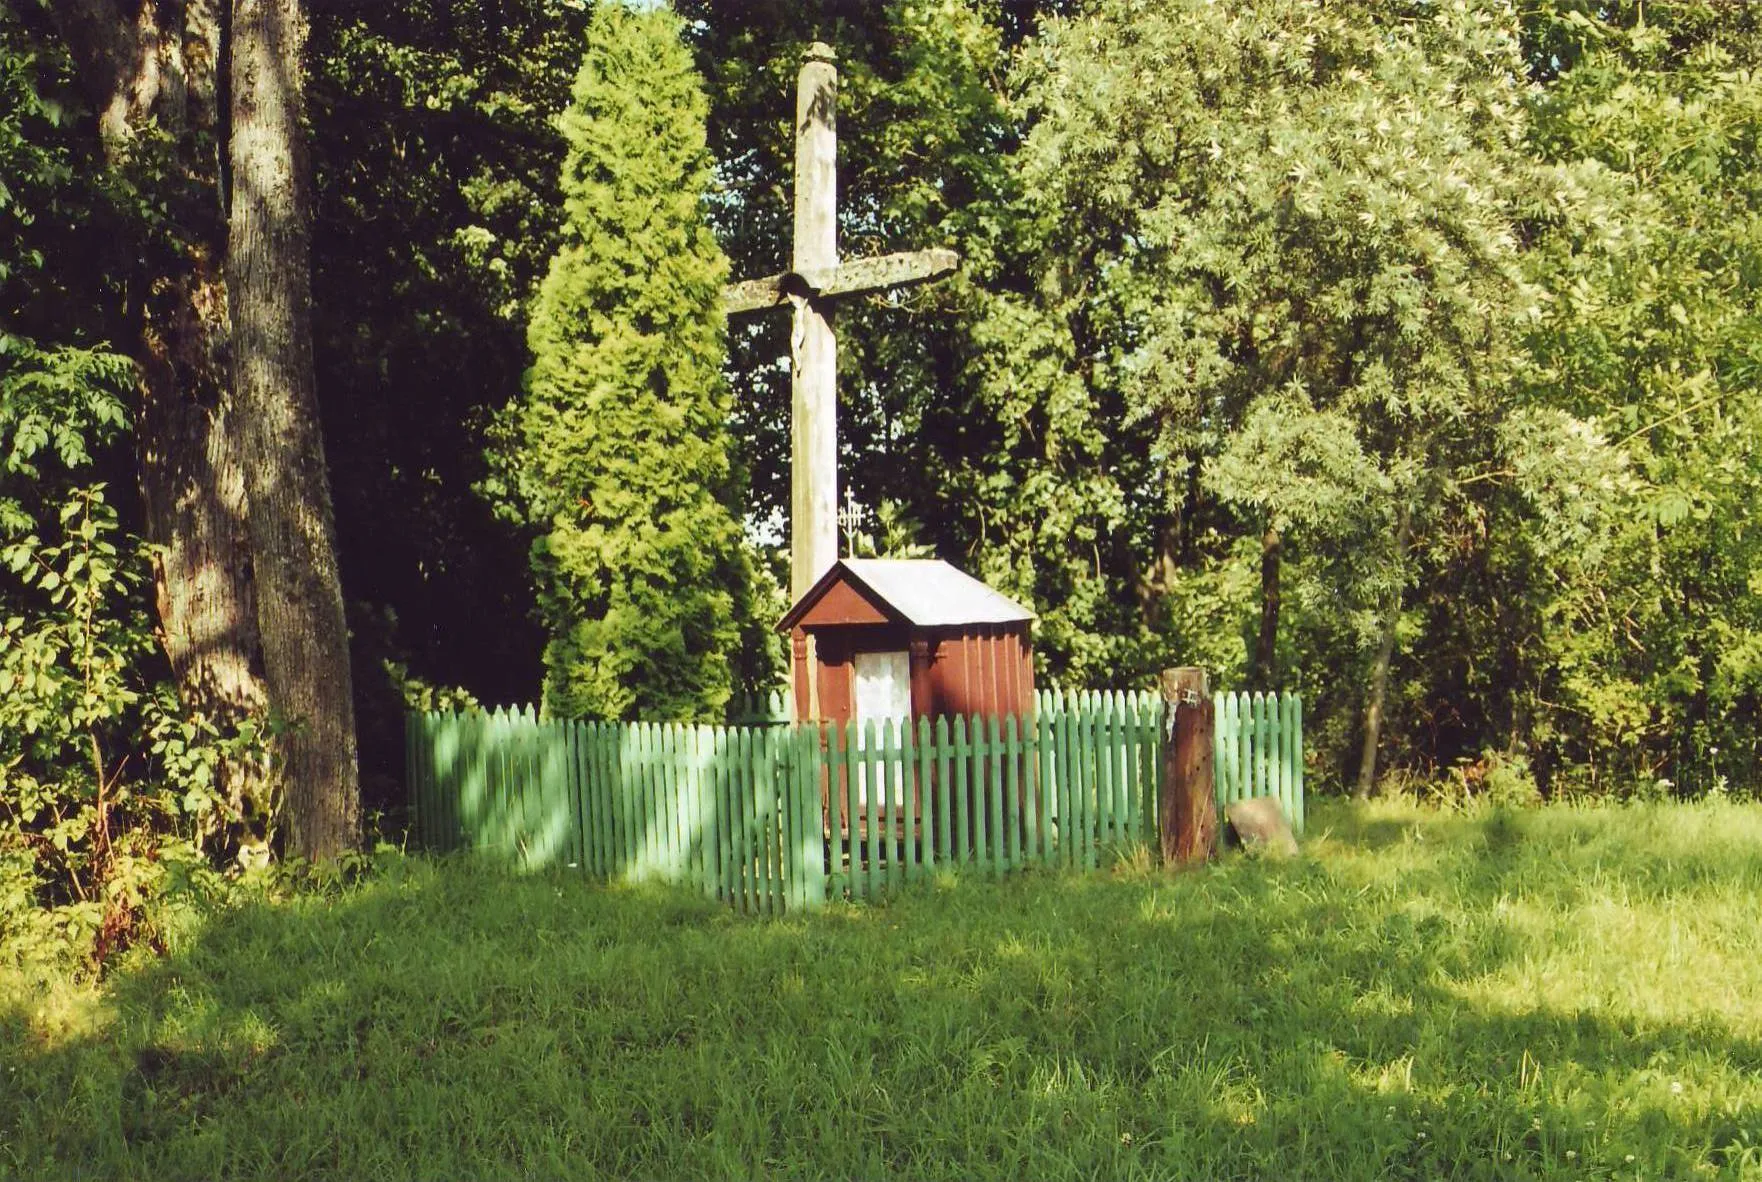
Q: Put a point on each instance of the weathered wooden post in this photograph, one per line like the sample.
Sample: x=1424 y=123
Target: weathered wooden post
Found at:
x=813 y=502
x=1188 y=812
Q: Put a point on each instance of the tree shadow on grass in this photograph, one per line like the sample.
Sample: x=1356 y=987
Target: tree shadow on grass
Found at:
x=1395 y=1007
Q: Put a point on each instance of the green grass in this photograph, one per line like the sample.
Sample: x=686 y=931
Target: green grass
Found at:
x=1571 y=993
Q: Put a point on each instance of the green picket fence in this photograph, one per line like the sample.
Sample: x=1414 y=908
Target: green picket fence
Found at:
x=775 y=817
x=1258 y=750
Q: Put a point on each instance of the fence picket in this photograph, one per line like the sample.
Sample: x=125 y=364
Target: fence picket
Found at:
x=994 y=778
x=1029 y=735
x=1151 y=750
x=1112 y=745
x=1224 y=768
x=697 y=746
x=852 y=796
x=1122 y=753
x=944 y=795
x=1297 y=752
x=1063 y=763
x=1282 y=768
x=563 y=832
x=1292 y=754
x=813 y=845
x=531 y=781
x=413 y=781
x=1242 y=739
x=894 y=742
x=672 y=832
x=448 y=805
x=1012 y=790
x=1044 y=786
x=654 y=790
x=763 y=869
x=524 y=786
x=783 y=810
x=427 y=789
x=908 y=764
x=593 y=818
x=1082 y=786
x=872 y=790
x=1262 y=748
x=978 y=732
x=963 y=753
x=722 y=776
x=686 y=777
x=494 y=765
x=522 y=791
x=663 y=771
x=1106 y=824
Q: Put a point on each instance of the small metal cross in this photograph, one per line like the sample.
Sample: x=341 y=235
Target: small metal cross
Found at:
x=850 y=518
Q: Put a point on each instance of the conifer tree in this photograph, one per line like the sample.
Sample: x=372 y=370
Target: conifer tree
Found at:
x=617 y=455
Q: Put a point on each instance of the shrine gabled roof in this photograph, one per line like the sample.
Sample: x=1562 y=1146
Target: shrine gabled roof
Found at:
x=922 y=592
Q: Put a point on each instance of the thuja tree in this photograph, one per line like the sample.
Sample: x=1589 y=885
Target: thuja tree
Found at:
x=616 y=456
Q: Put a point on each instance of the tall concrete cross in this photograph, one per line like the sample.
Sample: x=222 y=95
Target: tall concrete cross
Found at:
x=815 y=279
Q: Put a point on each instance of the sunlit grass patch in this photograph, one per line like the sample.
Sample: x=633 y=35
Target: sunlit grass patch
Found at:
x=1573 y=992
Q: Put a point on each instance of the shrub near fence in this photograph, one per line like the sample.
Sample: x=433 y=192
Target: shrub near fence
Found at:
x=772 y=817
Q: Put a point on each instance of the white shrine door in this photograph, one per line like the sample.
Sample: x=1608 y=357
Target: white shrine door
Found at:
x=883 y=691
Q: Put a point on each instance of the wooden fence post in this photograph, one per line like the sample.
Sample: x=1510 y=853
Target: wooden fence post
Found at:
x=1188 y=809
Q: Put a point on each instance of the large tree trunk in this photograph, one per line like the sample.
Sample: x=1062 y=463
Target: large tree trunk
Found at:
x=299 y=593
x=1266 y=645
x=154 y=60
x=1379 y=674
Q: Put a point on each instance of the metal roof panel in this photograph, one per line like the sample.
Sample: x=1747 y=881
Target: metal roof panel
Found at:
x=930 y=593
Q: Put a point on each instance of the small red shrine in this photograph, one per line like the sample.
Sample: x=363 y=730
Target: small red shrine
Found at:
x=908 y=638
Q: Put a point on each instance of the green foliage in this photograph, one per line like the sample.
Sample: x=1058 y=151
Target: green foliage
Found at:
x=616 y=456
x=436 y=159
x=109 y=800
x=1276 y=286
x=1422 y=995
x=1643 y=649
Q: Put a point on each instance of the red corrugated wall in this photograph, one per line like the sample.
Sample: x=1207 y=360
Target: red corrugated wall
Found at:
x=985 y=669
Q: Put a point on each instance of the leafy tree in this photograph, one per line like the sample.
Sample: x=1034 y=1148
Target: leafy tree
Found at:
x=1281 y=255
x=233 y=488
x=1640 y=642
x=616 y=456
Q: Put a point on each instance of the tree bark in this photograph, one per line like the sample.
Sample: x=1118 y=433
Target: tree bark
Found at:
x=1266 y=645
x=1379 y=676
x=299 y=592
x=141 y=61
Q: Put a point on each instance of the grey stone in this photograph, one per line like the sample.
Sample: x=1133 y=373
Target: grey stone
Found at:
x=1261 y=825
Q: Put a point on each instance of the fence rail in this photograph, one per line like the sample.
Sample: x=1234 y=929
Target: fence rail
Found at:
x=774 y=817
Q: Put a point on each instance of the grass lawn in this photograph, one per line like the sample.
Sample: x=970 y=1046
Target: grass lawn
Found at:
x=1571 y=993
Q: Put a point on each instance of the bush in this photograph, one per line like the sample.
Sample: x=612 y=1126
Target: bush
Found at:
x=109 y=805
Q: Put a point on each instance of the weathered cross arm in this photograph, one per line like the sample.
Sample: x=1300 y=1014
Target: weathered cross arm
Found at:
x=848 y=278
